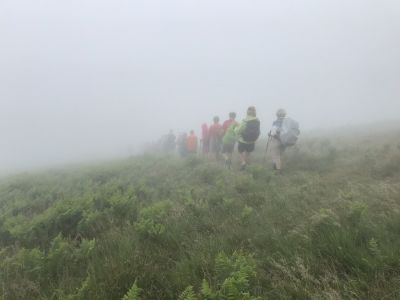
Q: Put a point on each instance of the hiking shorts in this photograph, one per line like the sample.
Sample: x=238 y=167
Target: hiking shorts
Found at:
x=277 y=150
x=243 y=147
x=228 y=148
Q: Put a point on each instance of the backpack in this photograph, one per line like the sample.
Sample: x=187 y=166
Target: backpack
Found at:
x=289 y=132
x=252 y=131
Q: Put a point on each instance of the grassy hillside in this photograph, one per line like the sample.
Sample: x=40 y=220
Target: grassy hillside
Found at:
x=157 y=227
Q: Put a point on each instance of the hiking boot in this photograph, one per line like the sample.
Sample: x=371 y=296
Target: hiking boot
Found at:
x=227 y=163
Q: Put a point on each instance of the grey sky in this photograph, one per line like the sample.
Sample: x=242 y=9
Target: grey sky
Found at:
x=83 y=79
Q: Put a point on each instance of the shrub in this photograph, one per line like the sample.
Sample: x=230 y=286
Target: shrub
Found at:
x=152 y=220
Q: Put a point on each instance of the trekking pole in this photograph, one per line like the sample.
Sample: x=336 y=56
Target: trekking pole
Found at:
x=266 y=149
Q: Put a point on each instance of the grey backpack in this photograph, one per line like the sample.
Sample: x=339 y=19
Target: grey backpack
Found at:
x=289 y=132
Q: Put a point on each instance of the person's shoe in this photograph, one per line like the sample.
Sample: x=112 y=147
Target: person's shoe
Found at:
x=243 y=167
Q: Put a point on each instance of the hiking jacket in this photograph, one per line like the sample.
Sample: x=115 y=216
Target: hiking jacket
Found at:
x=191 y=143
x=215 y=131
x=204 y=132
x=230 y=136
x=241 y=128
x=276 y=127
x=227 y=124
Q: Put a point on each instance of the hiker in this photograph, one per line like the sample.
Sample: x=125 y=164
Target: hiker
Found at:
x=215 y=135
x=248 y=132
x=191 y=143
x=229 y=139
x=284 y=133
x=169 y=143
x=229 y=122
x=205 y=139
x=181 y=143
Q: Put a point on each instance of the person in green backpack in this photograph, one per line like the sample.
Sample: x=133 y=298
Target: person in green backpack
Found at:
x=229 y=139
x=248 y=132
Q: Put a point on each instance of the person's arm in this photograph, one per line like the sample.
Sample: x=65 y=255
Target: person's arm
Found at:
x=274 y=130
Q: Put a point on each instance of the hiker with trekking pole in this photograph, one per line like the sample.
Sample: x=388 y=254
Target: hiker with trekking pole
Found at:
x=284 y=133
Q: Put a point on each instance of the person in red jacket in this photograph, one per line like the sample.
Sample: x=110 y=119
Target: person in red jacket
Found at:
x=191 y=143
x=229 y=122
x=215 y=133
x=205 y=139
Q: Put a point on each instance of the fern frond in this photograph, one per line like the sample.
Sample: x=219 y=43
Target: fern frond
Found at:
x=133 y=293
x=188 y=294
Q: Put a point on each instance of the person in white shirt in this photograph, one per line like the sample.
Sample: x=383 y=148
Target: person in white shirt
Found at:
x=276 y=146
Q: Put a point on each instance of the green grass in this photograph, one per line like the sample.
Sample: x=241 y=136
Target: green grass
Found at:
x=156 y=227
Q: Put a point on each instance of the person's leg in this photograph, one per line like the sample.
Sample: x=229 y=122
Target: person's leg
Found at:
x=276 y=153
x=247 y=157
x=207 y=147
x=225 y=154
x=227 y=150
x=282 y=150
x=242 y=158
x=211 y=153
x=249 y=150
x=218 y=150
x=229 y=160
x=229 y=155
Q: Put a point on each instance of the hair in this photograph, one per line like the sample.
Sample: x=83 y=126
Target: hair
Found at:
x=281 y=113
x=216 y=119
x=191 y=131
x=232 y=115
x=251 y=111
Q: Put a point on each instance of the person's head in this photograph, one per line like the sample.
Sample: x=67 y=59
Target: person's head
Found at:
x=216 y=119
x=281 y=113
x=232 y=115
x=251 y=111
x=191 y=132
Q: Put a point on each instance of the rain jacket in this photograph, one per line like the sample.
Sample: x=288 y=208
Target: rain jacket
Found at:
x=230 y=136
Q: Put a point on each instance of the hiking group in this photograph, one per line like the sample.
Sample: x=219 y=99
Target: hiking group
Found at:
x=218 y=139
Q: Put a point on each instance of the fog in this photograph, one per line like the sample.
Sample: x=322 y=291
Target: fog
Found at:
x=90 y=79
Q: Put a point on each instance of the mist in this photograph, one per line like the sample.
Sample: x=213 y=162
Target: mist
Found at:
x=87 y=80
